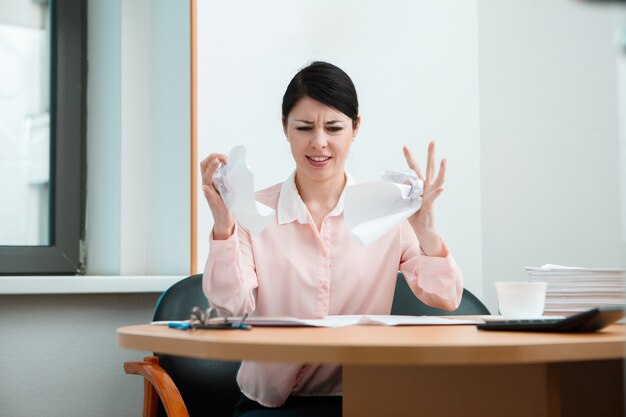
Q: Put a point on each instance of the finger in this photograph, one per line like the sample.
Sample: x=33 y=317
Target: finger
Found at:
x=212 y=196
x=412 y=163
x=441 y=177
x=211 y=158
x=206 y=161
x=430 y=163
x=210 y=165
x=209 y=170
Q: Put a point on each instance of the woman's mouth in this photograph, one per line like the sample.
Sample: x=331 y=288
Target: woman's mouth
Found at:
x=319 y=160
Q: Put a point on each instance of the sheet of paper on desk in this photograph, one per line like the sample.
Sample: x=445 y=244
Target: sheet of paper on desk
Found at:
x=352 y=320
x=387 y=320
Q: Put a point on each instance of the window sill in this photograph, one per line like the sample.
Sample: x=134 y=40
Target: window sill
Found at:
x=15 y=285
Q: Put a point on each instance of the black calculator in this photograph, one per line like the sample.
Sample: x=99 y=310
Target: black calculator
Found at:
x=584 y=322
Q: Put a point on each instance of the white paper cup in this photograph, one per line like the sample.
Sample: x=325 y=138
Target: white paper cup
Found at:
x=521 y=300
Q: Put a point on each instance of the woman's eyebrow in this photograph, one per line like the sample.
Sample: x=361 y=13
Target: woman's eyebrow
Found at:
x=310 y=122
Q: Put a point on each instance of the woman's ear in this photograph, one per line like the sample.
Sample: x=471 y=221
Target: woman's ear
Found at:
x=358 y=125
x=283 y=122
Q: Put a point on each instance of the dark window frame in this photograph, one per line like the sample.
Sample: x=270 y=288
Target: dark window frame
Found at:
x=68 y=85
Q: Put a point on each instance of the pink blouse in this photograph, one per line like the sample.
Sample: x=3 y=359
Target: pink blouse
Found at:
x=292 y=269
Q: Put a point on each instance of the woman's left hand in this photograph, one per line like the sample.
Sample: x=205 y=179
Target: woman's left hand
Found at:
x=423 y=221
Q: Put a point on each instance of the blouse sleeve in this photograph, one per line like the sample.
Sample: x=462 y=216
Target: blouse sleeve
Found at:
x=230 y=279
x=436 y=281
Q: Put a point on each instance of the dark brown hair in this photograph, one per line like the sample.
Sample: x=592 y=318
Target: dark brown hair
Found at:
x=326 y=83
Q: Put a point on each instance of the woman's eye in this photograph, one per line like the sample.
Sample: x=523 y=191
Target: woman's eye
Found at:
x=335 y=128
x=303 y=128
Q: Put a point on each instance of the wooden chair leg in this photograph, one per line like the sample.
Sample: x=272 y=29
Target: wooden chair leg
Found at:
x=157 y=384
x=150 y=395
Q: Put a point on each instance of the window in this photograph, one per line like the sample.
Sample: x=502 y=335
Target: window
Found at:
x=58 y=251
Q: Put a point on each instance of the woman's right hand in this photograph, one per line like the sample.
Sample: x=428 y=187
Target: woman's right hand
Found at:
x=224 y=225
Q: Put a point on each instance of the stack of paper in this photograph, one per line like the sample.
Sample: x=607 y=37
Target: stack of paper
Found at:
x=572 y=289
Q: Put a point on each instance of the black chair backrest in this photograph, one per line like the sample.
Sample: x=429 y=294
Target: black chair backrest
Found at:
x=178 y=300
x=406 y=304
x=210 y=387
x=207 y=387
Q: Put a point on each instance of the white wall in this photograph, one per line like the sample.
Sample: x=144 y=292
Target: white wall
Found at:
x=414 y=65
x=621 y=110
x=138 y=213
x=549 y=136
x=104 y=130
x=58 y=353
x=520 y=95
x=59 y=357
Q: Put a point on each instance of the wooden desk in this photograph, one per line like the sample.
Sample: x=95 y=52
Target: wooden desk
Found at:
x=430 y=370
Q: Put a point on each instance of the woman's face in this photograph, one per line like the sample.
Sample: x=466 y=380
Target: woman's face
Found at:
x=320 y=139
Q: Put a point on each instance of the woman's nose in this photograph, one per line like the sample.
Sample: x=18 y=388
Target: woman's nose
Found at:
x=319 y=140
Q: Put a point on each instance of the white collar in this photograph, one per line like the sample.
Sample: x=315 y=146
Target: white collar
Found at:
x=291 y=207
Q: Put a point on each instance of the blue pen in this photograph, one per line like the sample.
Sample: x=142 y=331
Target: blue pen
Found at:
x=179 y=325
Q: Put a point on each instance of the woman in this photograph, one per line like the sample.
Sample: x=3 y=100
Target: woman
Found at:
x=304 y=264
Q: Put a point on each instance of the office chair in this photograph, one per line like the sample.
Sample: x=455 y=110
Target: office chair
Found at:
x=406 y=304
x=197 y=387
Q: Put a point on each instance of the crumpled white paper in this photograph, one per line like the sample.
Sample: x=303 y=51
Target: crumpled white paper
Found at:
x=372 y=209
x=235 y=183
